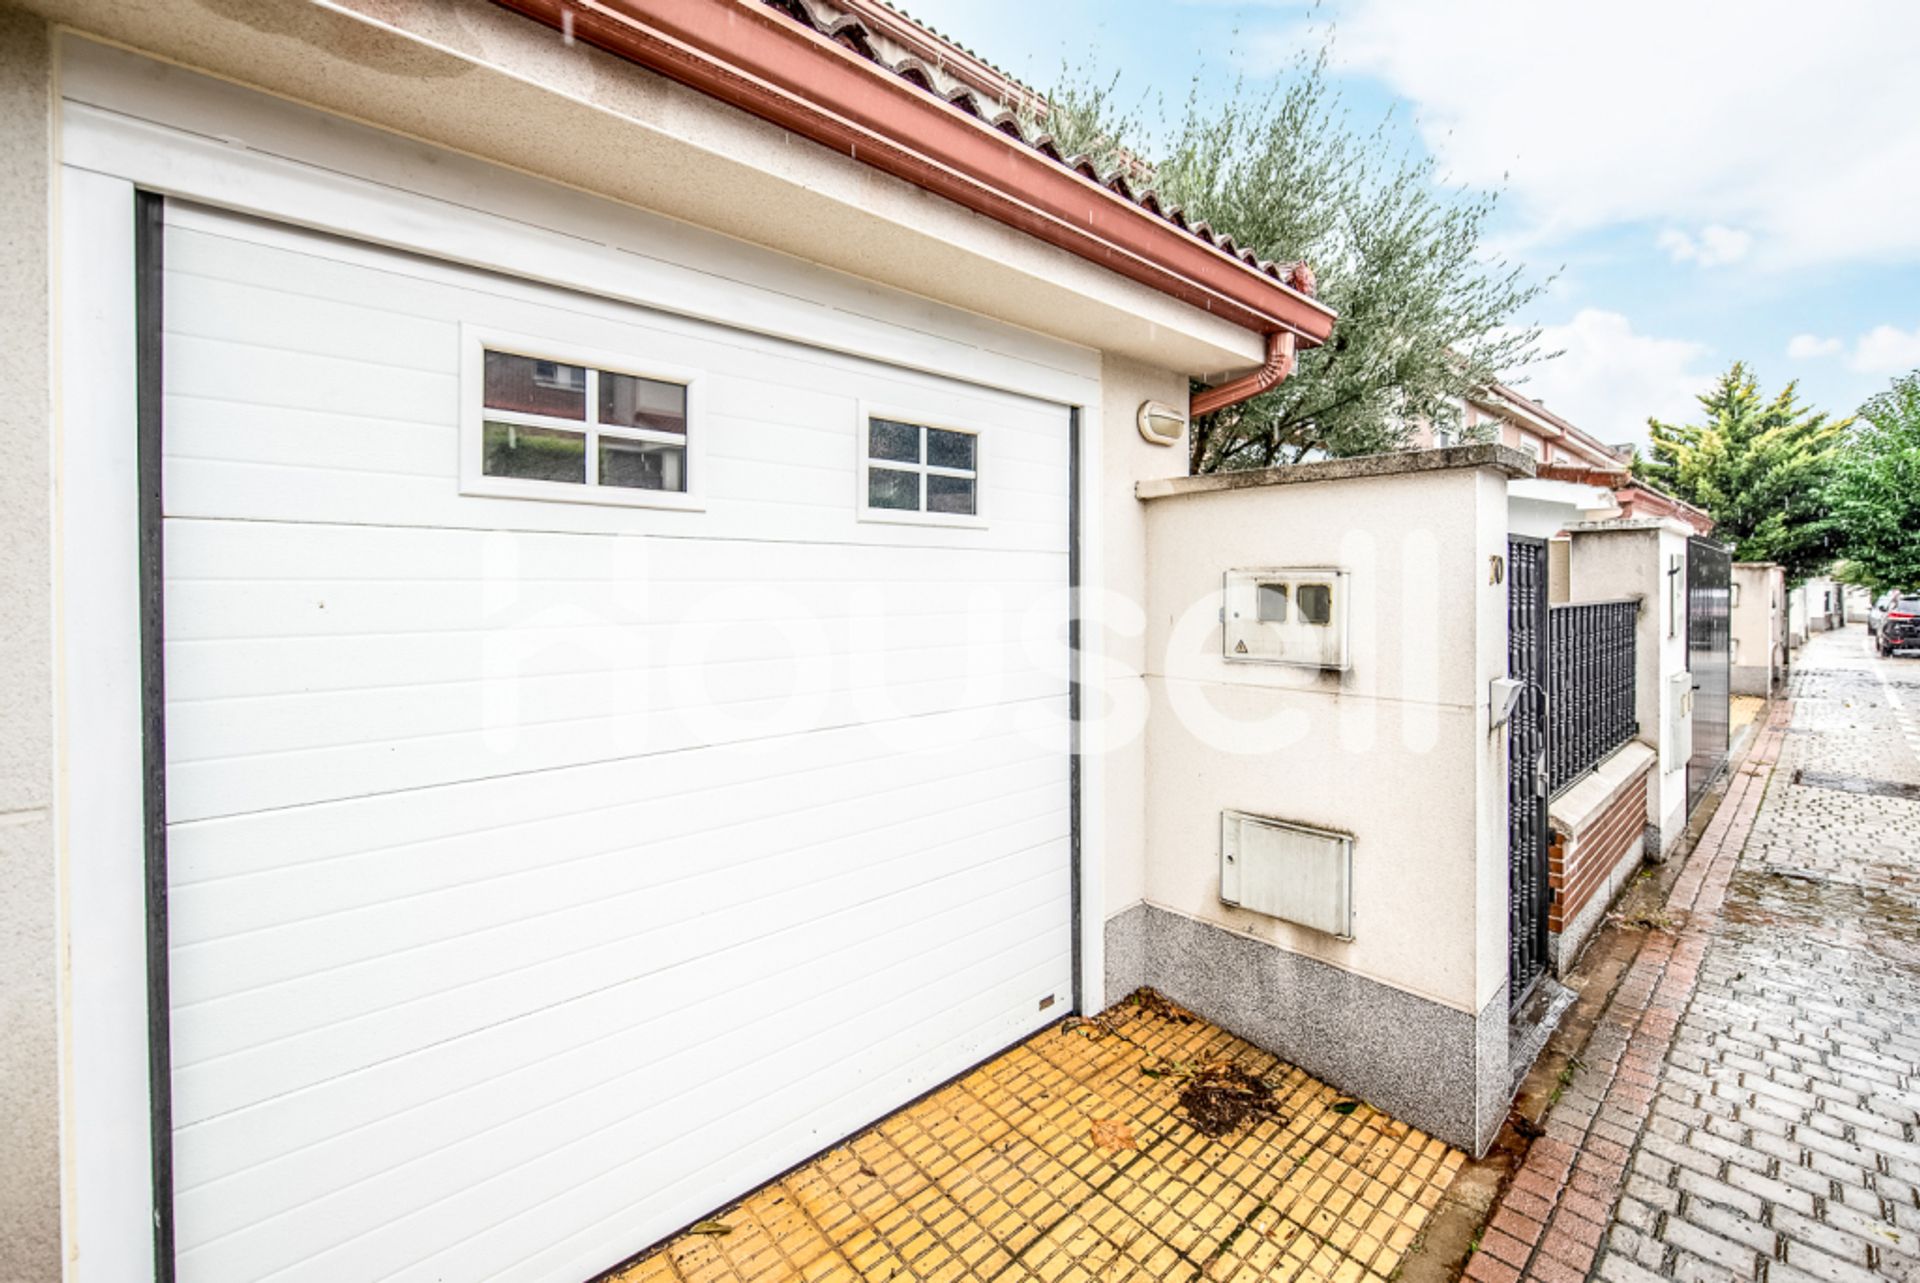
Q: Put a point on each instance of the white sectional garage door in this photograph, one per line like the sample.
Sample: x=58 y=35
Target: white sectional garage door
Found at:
x=544 y=874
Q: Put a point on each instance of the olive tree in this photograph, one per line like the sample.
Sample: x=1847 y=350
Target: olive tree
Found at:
x=1427 y=313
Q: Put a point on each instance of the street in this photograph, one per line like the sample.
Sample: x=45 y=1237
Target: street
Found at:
x=1746 y=1108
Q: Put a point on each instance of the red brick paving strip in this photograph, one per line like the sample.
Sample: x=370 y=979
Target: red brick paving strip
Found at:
x=1553 y=1215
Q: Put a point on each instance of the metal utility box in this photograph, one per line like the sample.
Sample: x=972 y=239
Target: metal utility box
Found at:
x=1286 y=615
x=1679 y=719
x=1288 y=871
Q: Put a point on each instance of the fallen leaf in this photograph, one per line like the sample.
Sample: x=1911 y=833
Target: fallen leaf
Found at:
x=1113 y=1133
x=1345 y=1106
x=715 y=1228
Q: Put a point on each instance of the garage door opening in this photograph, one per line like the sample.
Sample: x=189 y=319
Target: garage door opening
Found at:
x=541 y=870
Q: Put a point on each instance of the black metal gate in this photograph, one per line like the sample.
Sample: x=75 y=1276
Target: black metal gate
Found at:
x=1710 y=660
x=1528 y=892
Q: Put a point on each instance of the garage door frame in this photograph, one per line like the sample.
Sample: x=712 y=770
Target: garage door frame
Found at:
x=115 y=169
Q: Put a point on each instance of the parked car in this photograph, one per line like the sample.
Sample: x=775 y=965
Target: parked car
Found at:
x=1899 y=623
x=1877 y=611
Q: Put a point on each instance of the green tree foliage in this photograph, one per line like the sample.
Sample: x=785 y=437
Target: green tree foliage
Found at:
x=1426 y=312
x=1876 y=495
x=1761 y=467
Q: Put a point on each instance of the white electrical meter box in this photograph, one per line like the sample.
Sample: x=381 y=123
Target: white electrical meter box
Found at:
x=1288 y=871
x=1286 y=616
x=1680 y=717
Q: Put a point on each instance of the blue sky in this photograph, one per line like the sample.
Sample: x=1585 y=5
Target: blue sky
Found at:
x=1709 y=181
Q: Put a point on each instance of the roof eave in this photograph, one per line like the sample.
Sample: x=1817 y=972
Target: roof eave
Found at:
x=752 y=58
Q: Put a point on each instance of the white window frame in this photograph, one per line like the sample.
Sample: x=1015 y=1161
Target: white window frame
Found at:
x=477 y=341
x=870 y=411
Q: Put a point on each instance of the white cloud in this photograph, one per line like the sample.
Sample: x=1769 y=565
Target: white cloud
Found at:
x=1667 y=115
x=1886 y=349
x=1714 y=246
x=1810 y=347
x=1610 y=379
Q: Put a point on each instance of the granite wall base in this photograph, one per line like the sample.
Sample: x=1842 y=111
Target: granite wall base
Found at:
x=1441 y=1069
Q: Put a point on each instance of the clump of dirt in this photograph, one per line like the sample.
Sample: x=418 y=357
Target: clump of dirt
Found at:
x=1222 y=1097
x=1647 y=920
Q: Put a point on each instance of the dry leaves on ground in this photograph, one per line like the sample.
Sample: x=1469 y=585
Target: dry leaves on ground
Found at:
x=1113 y=1133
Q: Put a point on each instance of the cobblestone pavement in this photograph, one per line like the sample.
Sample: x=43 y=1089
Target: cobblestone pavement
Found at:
x=1747 y=1105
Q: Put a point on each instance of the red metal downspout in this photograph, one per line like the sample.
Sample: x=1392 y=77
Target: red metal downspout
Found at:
x=1279 y=365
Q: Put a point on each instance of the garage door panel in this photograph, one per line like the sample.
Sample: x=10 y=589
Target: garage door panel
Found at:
x=988 y=671
x=258 y=873
x=259 y=313
x=239 y=668
x=409 y=1137
x=388 y=948
x=770 y=613
x=411 y=1106
x=224 y=371
x=749 y=779
x=213 y=787
x=205 y=488
x=213 y=551
x=593 y=1143
x=232 y=1052
x=599 y=1205
x=543 y=875
x=303 y=265
x=276 y=435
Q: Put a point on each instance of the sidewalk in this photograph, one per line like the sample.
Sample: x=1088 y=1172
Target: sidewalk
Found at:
x=1745 y=1106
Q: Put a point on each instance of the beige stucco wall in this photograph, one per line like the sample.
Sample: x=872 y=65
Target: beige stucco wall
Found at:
x=1396 y=751
x=1758 y=627
x=1632 y=558
x=1115 y=711
x=29 y=1033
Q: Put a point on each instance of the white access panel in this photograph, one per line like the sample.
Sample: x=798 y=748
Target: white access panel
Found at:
x=543 y=875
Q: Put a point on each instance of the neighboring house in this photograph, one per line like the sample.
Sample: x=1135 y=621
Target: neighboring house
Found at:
x=541 y=546
x=1516 y=420
x=1575 y=474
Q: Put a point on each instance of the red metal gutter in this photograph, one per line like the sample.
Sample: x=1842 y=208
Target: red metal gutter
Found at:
x=751 y=57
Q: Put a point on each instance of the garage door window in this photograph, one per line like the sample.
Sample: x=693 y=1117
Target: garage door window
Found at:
x=548 y=424
x=919 y=471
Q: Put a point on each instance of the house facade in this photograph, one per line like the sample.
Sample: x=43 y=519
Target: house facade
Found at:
x=603 y=595
x=542 y=563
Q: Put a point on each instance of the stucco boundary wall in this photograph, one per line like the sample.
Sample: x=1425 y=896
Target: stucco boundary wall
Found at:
x=1645 y=559
x=1759 y=664
x=1398 y=751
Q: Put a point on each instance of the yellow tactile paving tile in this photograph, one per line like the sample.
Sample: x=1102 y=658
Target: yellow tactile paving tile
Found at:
x=998 y=1177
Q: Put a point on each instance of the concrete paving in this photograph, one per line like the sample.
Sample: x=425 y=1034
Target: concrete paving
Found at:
x=1746 y=1109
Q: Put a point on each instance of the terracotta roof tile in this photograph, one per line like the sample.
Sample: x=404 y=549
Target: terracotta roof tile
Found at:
x=851 y=32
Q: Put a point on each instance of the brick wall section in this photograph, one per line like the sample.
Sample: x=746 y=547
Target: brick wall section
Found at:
x=1553 y=1216
x=1578 y=863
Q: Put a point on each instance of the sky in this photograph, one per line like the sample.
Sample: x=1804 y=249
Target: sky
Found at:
x=1704 y=180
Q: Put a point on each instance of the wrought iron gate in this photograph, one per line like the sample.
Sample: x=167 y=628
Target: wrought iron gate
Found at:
x=1709 y=659
x=1528 y=892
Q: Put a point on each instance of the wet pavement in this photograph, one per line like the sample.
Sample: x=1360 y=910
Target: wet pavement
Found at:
x=1747 y=1108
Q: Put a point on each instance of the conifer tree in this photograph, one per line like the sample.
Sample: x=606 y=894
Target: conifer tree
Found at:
x=1760 y=467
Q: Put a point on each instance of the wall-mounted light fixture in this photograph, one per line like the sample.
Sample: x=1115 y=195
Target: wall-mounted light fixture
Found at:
x=1161 y=423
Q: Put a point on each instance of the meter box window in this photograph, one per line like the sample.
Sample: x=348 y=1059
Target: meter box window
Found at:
x=1286 y=616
